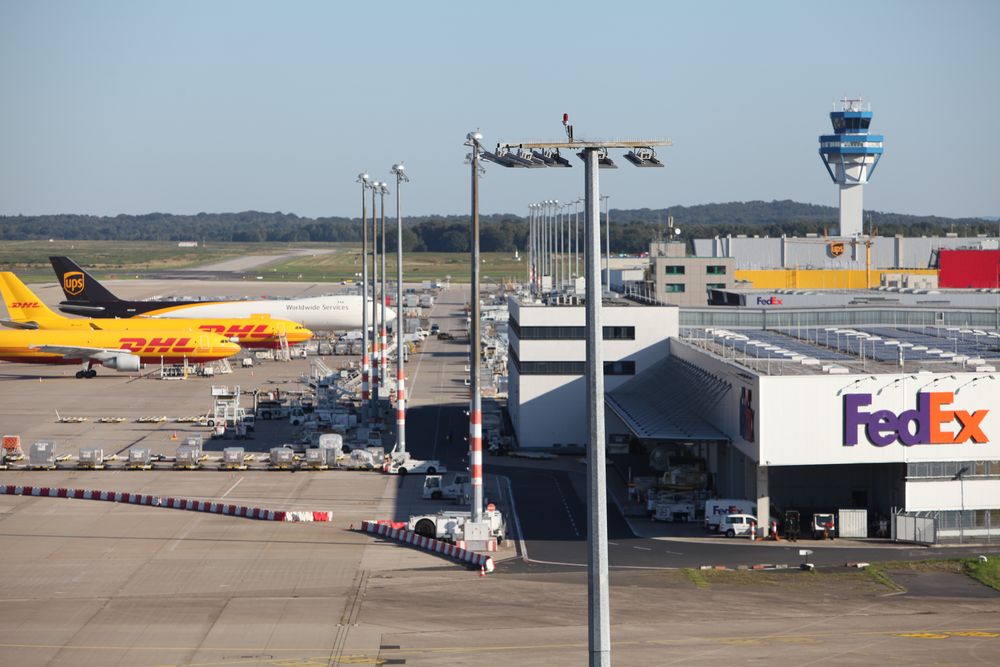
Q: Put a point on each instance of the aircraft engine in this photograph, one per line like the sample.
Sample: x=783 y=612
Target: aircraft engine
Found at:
x=123 y=363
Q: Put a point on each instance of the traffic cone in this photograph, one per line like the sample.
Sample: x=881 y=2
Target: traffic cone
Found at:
x=482 y=570
x=173 y=436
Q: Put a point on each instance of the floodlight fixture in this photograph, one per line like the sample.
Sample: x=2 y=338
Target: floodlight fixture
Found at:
x=399 y=171
x=550 y=157
x=603 y=161
x=643 y=156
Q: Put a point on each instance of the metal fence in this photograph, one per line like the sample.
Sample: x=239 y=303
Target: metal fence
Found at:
x=917 y=529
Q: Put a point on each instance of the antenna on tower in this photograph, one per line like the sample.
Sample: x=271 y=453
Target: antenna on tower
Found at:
x=569 y=128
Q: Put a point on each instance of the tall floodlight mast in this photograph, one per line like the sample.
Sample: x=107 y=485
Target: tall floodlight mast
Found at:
x=850 y=156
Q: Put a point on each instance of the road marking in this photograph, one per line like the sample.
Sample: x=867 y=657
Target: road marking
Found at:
x=517 y=520
x=642 y=548
x=674 y=553
x=572 y=522
x=613 y=544
x=231 y=488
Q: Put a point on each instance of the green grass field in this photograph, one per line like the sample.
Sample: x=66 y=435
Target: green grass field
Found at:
x=132 y=259
x=30 y=259
x=417 y=266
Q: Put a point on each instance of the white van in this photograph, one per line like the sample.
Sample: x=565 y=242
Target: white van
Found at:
x=717 y=508
x=732 y=525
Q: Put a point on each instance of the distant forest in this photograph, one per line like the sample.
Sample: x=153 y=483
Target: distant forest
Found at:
x=631 y=230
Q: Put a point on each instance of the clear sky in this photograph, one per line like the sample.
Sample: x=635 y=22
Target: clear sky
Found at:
x=127 y=106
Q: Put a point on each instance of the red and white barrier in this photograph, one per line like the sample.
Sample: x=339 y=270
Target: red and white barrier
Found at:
x=167 y=503
x=429 y=544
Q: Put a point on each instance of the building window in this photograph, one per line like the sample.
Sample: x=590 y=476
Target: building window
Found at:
x=619 y=368
x=673 y=287
x=674 y=270
x=567 y=333
x=715 y=270
x=619 y=333
x=566 y=367
x=716 y=286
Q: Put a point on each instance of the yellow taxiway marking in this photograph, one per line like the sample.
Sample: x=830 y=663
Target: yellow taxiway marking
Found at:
x=946 y=634
x=372 y=658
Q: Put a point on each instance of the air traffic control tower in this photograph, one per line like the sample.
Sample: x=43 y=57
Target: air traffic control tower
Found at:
x=850 y=156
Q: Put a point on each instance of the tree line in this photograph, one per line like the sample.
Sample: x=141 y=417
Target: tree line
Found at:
x=631 y=230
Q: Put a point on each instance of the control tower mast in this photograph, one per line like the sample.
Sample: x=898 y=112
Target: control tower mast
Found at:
x=850 y=156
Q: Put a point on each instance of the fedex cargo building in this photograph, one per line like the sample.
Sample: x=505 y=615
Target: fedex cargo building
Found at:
x=893 y=410
x=856 y=433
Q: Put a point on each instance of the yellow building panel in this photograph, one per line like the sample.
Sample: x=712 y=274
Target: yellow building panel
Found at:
x=821 y=278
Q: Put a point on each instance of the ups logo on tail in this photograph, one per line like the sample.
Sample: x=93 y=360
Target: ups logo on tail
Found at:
x=73 y=282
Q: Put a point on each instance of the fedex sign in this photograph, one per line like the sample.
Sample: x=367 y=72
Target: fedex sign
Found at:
x=770 y=301
x=927 y=424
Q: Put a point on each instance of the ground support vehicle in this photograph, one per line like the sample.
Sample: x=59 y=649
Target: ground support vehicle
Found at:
x=459 y=488
x=824 y=525
x=447 y=524
x=403 y=465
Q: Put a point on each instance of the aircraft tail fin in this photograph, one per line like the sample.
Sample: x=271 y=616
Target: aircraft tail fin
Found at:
x=77 y=284
x=22 y=304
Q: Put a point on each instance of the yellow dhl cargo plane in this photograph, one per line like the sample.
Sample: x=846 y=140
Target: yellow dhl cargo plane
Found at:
x=121 y=350
x=27 y=311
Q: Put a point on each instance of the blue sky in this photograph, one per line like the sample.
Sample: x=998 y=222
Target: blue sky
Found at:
x=130 y=107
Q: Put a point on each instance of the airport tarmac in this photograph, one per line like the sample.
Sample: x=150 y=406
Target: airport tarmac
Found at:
x=100 y=583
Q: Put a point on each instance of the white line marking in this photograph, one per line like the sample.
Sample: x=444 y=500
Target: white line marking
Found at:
x=517 y=521
x=613 y=544
x=643 y=548
x=231 y=488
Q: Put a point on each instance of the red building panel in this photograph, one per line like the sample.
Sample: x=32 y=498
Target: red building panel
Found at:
x=969 y=268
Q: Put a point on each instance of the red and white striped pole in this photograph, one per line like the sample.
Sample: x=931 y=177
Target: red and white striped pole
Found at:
x=475 y=406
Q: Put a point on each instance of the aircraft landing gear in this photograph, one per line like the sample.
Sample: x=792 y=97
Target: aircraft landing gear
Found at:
x=89 y=373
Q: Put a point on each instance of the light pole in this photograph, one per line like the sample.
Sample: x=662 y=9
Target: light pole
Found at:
x=383 y=357
x=576 y=252
x=399 y=171
x=365 y=183
x=607 y=242
x=960 y=476
x=373 y=395
x=594 y=154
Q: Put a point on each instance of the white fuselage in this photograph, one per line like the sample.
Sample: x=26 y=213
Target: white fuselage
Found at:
x=320 y=313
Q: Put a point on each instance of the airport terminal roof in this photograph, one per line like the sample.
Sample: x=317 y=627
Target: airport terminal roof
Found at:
x=863 y=349
x=667 y=401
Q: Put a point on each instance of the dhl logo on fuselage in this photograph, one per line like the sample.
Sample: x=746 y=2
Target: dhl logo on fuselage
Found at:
x=73 y=282
x=156 y=345
x=25 y=305
x=239 y=331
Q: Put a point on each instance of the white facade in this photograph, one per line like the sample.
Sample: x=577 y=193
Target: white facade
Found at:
x=813 y=429
x=550 y=409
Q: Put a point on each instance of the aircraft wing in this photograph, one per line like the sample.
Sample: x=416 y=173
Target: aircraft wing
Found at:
x=80 y=352
x=19 y=325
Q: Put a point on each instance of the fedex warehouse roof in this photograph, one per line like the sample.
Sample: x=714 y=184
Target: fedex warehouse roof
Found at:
x=835 y=350
x=889 y=418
